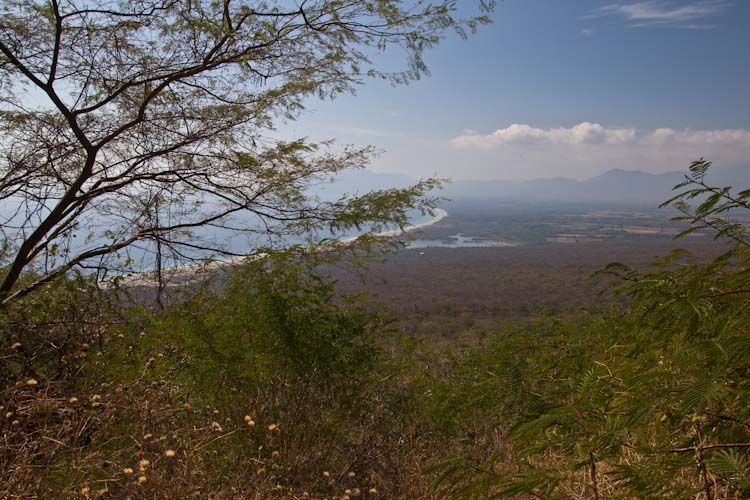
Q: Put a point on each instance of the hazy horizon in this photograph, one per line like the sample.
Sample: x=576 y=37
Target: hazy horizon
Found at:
x=384 y=175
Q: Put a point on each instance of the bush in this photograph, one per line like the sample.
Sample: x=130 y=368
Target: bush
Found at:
x=272 y=388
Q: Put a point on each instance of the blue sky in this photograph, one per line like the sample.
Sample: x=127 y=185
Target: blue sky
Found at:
x=562 y=88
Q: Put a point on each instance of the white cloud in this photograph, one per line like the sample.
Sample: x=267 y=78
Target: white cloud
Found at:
x=587 y=32
x=583 y=133
x=726 y=137
x=594 y=133
x=524 y=151
x=663 y=12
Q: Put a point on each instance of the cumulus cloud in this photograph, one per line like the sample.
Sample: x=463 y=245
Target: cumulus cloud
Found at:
x=585 y=149
x=583 y=133
x=663 y=12
x=727 y=137
x=594 y=133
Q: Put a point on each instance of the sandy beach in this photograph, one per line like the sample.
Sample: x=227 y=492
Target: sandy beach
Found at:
x=440 y=214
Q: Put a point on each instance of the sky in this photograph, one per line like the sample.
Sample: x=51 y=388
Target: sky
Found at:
x=561 y=89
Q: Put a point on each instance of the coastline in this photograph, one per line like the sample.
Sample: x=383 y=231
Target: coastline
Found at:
x=440 y=214
x=185 y=274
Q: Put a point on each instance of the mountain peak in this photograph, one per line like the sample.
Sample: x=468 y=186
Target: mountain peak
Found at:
x=621 y=172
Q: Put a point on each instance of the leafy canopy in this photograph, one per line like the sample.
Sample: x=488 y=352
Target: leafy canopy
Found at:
x=138 y=123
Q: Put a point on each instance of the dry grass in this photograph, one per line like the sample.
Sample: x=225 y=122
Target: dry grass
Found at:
x=97 y=435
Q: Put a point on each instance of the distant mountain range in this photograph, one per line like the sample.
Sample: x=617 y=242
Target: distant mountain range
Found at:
x=615 y=186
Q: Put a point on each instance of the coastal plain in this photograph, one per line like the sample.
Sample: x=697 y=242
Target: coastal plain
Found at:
x=546 y=265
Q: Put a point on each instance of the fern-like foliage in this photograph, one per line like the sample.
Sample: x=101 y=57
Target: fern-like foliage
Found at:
x=715 y=208
x=652 y=401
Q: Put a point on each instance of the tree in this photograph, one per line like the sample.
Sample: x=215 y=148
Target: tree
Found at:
x=137 y=122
